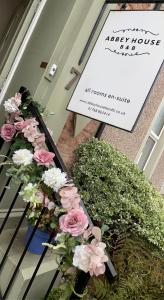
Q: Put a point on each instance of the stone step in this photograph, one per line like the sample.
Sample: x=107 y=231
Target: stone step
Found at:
x=43 y=277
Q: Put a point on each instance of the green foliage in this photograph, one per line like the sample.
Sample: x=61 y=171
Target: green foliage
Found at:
x=63 y=292
x=25 y=174
x=117 y=193
x=140 y=273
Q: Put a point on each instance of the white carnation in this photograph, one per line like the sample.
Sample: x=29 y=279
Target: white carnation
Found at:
x=10 y=106
x=81 y=258
x=54 y=178
x=22 y=157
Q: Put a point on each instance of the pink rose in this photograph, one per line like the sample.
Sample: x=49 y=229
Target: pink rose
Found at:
x=74 y=222
x=39 y=141
x=7 y=132
x=44 y=157
x=31 y=121
x=30 y=133
x=19 y=125
x=68 y=191
x=30 y=130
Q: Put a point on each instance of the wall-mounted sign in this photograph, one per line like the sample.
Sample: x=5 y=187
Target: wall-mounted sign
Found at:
x=121 y=68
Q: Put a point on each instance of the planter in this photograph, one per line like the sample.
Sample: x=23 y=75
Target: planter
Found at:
x=39 y=237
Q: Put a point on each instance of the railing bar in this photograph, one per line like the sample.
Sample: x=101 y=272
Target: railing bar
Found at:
x=37 y=267
x=100 y=130
x=4 y=189
x=80 y=285
x=7 y=154
x=1 y=142
x=22 y=257
x=51 y=284
x=10 y=208
x=14 y=236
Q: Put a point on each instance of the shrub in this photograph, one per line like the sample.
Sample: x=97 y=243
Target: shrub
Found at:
x=117 y=193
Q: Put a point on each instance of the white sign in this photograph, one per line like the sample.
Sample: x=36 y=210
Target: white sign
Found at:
x=121 y=68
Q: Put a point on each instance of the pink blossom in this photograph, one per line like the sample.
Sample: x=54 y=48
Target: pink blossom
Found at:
x=69 y=197
x=30 y=132
x=7 y=132
x=97 y=257
x=14 y=117
x=39 y=141
x=23 y=124
x=92 y=231
x=19 y=125
x=17 y=99
x=44 y=157
x=90 y=258
x=32 y=122
x=46 y=201
x=40 y=195
x=74 y=222
x=68 y=191
x=51 y=205
x=70 y=203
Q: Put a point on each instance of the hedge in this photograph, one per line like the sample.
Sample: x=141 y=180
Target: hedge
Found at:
x=117 y=193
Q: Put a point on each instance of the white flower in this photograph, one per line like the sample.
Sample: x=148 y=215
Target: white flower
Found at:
x=54 y=178
x=22 y=157
x=10 y=106
x=81 y=258
x=29 y=194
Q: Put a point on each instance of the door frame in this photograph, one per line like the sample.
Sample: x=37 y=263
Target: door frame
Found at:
x=20 y=45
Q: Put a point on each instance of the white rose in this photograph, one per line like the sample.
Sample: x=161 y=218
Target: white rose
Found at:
x=22 y=157
x=81 y=258
x=54 y=178
x=10 y=106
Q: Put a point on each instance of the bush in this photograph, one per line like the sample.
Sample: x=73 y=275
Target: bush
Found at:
x=117 y=193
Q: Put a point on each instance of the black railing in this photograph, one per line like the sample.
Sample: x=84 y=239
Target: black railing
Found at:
x=83 y=278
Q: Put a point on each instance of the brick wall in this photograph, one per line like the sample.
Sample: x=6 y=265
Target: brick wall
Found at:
x=67 y=142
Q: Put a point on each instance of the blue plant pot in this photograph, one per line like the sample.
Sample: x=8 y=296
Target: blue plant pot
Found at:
x=39 y=237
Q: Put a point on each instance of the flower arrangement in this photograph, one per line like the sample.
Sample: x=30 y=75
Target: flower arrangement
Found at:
x=46 y=186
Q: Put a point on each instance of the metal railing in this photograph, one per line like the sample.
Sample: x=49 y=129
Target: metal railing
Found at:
x=83 y=278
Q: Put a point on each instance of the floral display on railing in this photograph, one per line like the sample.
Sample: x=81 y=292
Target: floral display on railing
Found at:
x=46 y=186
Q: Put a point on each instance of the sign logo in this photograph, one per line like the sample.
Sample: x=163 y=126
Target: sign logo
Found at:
x=131 y=41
